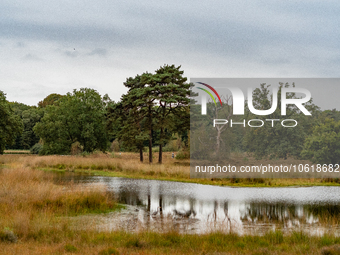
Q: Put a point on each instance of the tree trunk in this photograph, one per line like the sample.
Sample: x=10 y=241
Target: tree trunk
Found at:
x=141 y=154
x=150 y=138
x=150 y=147
x=160 y=156
x=218 y=139
x=161 y=204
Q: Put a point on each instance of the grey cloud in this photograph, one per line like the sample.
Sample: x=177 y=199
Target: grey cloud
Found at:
x=276 y=61
x=98 y=51
x=72 y=54
x=20 y=45
x=31 y=57
x=200 y=27
x=83 y=35
x=210 y=38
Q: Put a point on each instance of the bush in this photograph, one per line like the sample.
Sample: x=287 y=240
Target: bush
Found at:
x=183 y=154
x=8 y=235
x=172 y=145
x=323 y=146
x=115 y=146
x=76 y=148
x=36 y=148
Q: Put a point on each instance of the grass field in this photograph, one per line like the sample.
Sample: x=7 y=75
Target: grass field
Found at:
x=33 y=210
x=128 y=165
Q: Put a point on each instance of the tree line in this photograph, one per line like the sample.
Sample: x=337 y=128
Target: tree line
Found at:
x=315 y=137
x=155 y=110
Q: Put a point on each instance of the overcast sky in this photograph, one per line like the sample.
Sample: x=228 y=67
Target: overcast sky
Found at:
x=57 y=46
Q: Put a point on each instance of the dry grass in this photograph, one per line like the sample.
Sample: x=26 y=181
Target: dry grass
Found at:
x=17 y=151
x=30 y=206
x=29 y=201
x=127 y=163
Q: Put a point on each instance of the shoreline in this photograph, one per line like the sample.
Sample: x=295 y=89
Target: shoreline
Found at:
x=241 y=183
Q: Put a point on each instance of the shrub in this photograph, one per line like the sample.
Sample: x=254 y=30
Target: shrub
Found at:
x=8 y=235
x=76 y=148
x=172 y=145
x=115 y=146
x=183 y=154
x=323 y=146
x=36 y=148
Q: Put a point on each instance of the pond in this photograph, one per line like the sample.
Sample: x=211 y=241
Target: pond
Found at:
x=195 y=208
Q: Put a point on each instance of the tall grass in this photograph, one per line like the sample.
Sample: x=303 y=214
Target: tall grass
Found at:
x=31 y=206
x=127 y=163
x=124 y=164
x=29 y=201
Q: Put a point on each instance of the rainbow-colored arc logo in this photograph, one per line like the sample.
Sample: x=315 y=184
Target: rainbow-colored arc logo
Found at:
x=210 y=93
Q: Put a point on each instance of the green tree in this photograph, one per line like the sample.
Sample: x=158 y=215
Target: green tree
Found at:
x=172 y=95
x=323 y=146
x=209 y=142
x=18 y=109
x=330 y=114
x=10 y=124
x=123 y=126
x=29 y=115
x=49 y=100
x=272 y=139
x=153 y=101
x=139 y=102
x=76 y=117
x=30 y=118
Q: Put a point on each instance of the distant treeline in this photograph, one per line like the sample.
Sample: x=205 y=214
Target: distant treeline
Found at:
x=156 y=112
x=315 y=137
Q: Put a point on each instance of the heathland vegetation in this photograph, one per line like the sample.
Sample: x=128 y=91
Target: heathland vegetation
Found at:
x=37 y=215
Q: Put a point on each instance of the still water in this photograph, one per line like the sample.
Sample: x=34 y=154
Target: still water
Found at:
x=194 y=208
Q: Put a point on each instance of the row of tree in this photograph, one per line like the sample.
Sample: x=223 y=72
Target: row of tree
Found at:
x=155 y=107
x=316 y=137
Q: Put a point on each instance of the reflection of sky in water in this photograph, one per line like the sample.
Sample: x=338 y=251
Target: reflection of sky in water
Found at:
x=199 y=208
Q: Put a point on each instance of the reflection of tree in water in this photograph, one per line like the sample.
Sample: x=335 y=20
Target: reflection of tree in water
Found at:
x=272 y=213
x=186 y=213
x=226 y=213
x=327 y=213
x=129 y=197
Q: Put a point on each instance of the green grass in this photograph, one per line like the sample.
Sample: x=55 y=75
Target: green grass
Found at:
x=120 y=242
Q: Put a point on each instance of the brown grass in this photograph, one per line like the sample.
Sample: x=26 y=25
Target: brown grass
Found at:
x=31 y=206
x=128 y=165
x=29 y=201
x=126 y=162
x=16 y=151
